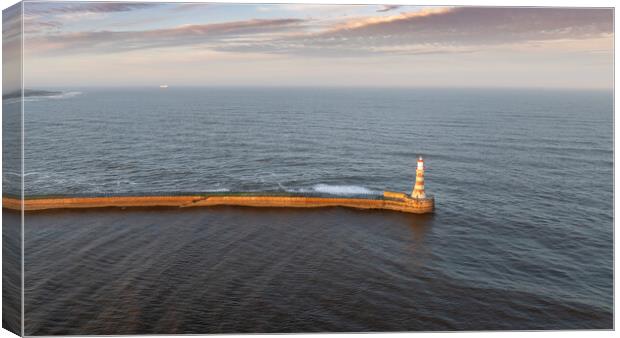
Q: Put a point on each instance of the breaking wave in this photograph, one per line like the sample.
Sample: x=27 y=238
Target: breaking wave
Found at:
x=66 y=95
x=218 y=190
x=63 y=95
x=343 y=189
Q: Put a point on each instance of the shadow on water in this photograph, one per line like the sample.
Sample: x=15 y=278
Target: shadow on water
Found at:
x=241 y=269
x=11 y=270
x=418 y=227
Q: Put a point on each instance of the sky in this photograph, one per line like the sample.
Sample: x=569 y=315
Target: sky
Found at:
x=78 y=44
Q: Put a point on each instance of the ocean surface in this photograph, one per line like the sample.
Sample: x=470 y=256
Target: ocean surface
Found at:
x=522 y=236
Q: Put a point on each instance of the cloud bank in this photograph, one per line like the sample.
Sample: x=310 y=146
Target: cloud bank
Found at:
x=85 y=7
x=431 y=30
x=217 y=44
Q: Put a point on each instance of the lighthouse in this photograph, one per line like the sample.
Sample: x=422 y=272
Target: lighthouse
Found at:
x=418 y=188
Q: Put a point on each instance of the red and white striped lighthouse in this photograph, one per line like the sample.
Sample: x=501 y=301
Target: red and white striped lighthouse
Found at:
x=418 y=188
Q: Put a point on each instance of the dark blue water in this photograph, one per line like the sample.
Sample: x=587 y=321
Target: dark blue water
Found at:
x=521 y=237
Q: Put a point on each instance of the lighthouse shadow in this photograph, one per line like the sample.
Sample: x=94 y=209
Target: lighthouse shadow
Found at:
x=419 y=225
x=415 y=235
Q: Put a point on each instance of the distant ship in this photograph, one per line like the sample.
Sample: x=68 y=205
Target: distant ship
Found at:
x=164 y=86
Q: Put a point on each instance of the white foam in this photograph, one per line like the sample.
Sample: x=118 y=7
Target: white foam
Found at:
x=218 y=190
x=342 y=189
x=12 y=100
x=65 y=95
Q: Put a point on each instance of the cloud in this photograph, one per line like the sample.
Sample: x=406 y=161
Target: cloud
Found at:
x=41 y=17
x=190 y=6
x=12 y=24
x=38 y=26
x=440 y=31
x=387 y=8
x=119 y=41
x=425 y=31
x=306 y=8
x=85 y=7
x=376 y=20
x=11 y=48
x=484 y=26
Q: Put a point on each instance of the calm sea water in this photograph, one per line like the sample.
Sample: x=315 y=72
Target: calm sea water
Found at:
x=522 y=237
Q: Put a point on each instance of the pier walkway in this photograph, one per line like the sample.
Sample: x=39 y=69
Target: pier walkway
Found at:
x=388 y=201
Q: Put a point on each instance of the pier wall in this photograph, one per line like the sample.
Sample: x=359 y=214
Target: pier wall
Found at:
x=397 y=204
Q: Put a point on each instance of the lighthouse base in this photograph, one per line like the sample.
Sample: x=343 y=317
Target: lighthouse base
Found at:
x=402 y=202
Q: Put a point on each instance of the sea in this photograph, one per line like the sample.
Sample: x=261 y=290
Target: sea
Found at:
x=521 y=238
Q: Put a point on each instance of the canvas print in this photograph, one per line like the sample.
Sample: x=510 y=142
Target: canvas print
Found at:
x=209 y=168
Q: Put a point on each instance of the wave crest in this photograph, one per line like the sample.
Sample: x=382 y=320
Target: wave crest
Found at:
x=343 y=189
x=63 y=95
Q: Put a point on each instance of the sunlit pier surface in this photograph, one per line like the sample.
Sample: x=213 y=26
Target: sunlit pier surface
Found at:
x=396 y=201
